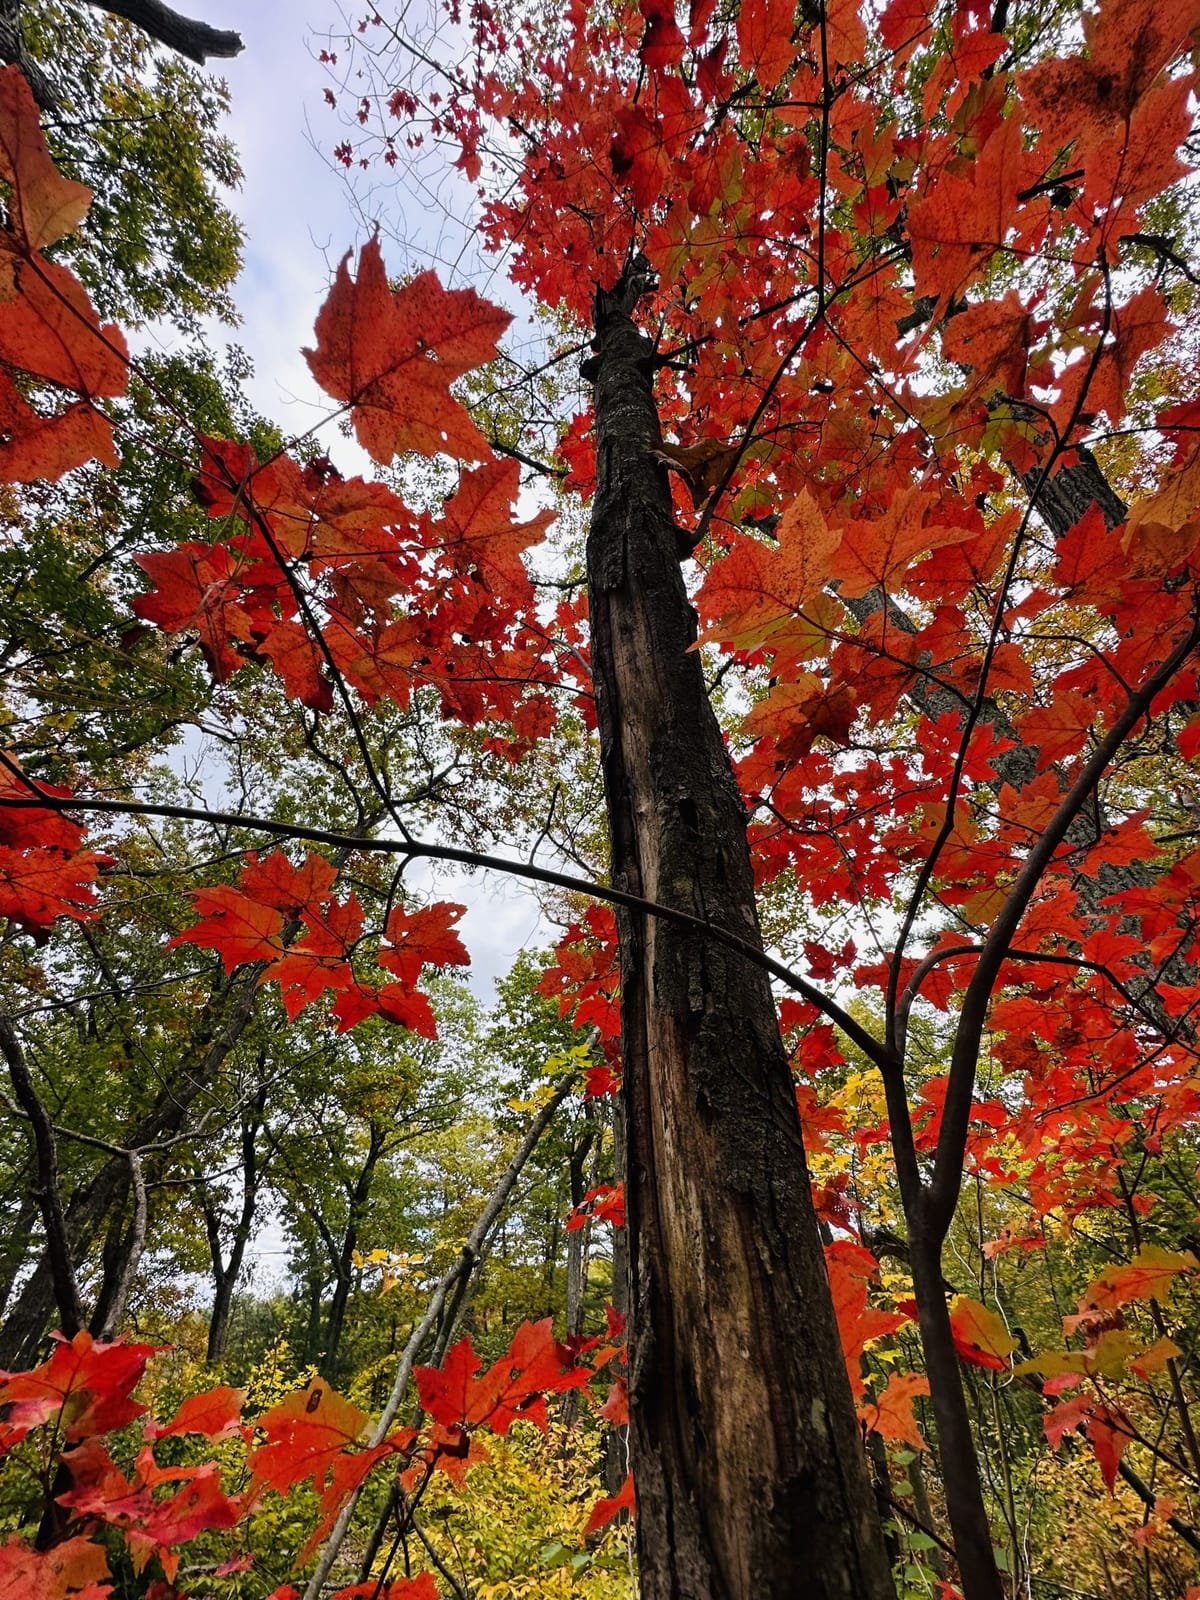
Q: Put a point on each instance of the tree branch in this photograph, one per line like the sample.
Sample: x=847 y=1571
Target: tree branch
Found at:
x=468 y=1258
x=420 y=849
x=187 y=37
x=942 y=1194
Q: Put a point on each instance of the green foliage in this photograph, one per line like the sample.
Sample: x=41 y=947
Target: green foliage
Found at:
x=142 y=129
x=516 y=1531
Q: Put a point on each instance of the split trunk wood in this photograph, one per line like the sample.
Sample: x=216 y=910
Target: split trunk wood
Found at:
x=751 y=1477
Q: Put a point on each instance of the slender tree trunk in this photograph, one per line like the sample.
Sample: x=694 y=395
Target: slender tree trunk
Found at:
x=961 y=1477
x=17 y=1245
x=578 y=1239
x=112 y=1256
x=226 y=1273
x=343 y=1259
x=108 y=1317
x=616 y=1441
x=61 y=1280
x=578 y=1251
x=751 y=1476
x=312 y=1329
x=916 y=1476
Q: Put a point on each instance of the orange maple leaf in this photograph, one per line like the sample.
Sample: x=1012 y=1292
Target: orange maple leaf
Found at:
x=890 y=1413
x=478 y=535
x=980 y=1335
x=392 y=354
x=71 y=1569
x=305 y=1434
x=758 y=586
x=44 y=205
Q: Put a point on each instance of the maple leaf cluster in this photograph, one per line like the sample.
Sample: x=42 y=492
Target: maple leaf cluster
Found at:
x=75 y=1409
x=51 y=341
x=335 y=583
x=45 y=872
x=288 y=919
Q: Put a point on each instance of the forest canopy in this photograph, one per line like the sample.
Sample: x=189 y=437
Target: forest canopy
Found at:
x=795 y=585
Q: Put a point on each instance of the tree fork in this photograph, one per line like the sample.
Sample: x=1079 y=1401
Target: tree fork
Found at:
x=751 y=1476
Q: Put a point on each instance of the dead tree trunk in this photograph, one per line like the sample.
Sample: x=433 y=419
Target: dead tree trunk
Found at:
x=751 y=1476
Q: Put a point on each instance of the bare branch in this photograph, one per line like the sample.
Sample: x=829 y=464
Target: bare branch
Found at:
x=466 y=1262
x=187 y=37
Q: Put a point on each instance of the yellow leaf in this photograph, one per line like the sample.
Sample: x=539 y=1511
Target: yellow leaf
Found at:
x=1148 y=1275
x=1155 y=1357
x=980 y=1335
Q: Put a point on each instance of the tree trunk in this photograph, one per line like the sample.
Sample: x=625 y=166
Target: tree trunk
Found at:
x=343 y=1257
x=17 y=1247
x=226 y=1274
x=314 y=1284
x=961 y=1477
x=751 y=1477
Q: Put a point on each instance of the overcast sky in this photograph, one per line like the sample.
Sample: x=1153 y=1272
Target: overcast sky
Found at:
x=300 y=219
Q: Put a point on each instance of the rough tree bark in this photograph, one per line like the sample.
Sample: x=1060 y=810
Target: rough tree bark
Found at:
x=752 y=1482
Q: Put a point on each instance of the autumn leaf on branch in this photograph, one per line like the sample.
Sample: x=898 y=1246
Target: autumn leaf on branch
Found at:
x=851 y=1269
x=457 y=1395
x=305 y=1435
x=43 y=205
x=75 y=1569
x=478 y=537
x=85 y=1387
x=980 y=1336
x=215 y=1414
x=610 y=1507
x=1150 y=1275
x=757 y=586
x=49 y=331
x=606 y=1203
x=392 y=354
x=288 y=918
x=890 y=1413
x=44 y=871
x=702 y=465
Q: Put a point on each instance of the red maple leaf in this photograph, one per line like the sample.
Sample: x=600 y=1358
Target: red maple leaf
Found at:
x=606 y=1509
x=392 y=354
x=513 y=1387
x=423 y=938
x=215 y=1413
x=477 y=533
x=48 y=327
x=851 y=1269
x=84 y=1388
